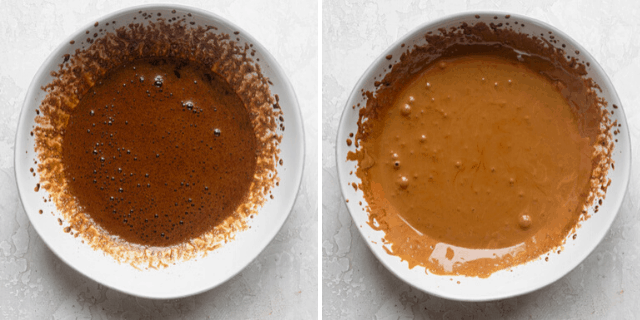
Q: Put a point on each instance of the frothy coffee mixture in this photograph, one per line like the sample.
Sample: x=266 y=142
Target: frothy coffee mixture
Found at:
x=481 y=158
x=159 y=151
x=158 y=141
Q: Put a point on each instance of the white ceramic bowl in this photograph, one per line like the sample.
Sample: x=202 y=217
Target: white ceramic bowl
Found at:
x=185 y=278
x=524 y=278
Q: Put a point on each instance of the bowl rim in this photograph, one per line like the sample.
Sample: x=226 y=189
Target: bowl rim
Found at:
x=470 y=14
x=272 y=63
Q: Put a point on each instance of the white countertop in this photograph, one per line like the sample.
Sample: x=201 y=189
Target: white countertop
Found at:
x=34 y=284
x=356 y=286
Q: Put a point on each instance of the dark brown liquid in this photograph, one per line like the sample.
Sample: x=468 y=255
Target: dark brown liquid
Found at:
x=160 y=151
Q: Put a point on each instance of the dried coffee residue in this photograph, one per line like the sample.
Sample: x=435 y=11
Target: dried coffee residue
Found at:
x=586 y=111
x=175 y=40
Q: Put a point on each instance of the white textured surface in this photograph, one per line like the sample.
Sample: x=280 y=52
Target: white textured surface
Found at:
x=355 y=285
x=34 y=284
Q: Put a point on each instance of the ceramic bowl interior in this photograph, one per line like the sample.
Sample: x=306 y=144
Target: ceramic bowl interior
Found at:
x=521 y=279
x=185 y=278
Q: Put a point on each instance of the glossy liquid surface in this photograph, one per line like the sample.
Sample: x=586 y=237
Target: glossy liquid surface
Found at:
x=478 y=163
x=160 y=151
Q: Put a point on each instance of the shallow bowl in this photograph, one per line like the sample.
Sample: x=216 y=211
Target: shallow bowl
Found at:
x=513 y=281
x=183 y=278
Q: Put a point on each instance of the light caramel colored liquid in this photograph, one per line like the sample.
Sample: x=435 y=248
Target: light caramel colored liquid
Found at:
x=477 y=164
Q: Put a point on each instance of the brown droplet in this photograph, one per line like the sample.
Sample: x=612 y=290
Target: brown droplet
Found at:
x=449 y=255
x=349 y=142
x=524 y=221
x=405 y=110
x=403 y=182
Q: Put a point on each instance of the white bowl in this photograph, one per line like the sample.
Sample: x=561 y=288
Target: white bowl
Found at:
x=184 y=278
x=520 y=279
